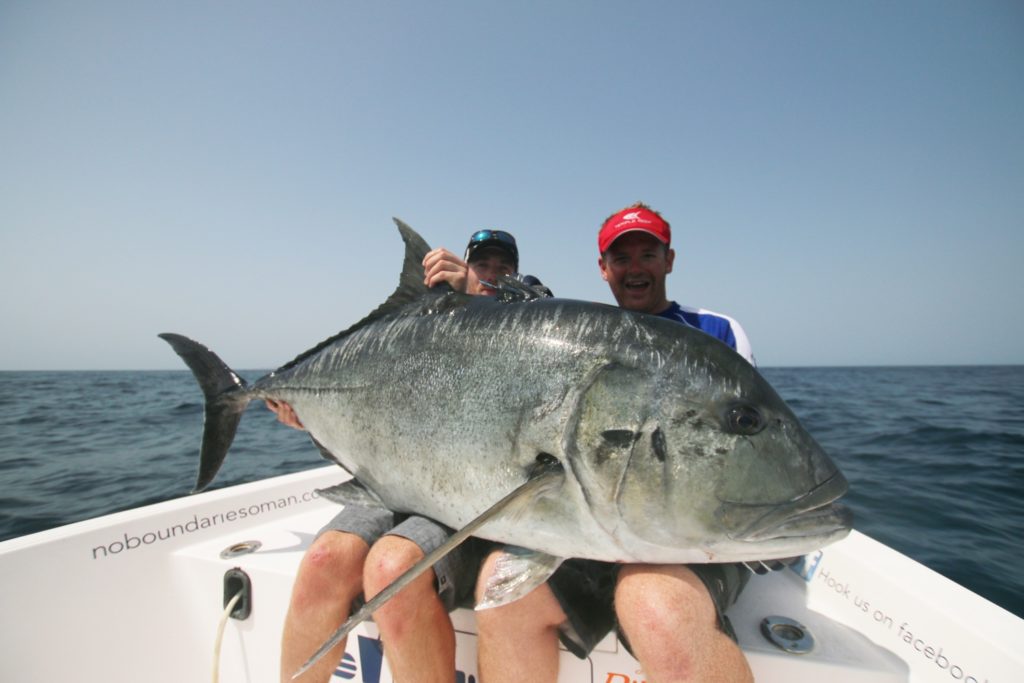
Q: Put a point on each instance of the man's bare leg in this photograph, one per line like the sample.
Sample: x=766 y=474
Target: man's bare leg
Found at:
x=330 y=577
x=418 y=637
x=518 y=641
x=670 y=621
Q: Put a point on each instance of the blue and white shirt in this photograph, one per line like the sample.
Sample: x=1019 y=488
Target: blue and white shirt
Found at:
x=719 y=326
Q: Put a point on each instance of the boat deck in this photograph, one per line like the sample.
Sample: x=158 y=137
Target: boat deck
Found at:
x=839 y=654
x=139 y=596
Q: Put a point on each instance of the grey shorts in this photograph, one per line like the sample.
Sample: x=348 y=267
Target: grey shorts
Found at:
x=455 y=572
x=585 y=589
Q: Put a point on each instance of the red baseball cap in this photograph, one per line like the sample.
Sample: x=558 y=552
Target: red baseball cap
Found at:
x=633 y=219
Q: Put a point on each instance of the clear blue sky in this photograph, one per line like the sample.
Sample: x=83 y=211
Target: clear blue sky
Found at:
x=844 y=178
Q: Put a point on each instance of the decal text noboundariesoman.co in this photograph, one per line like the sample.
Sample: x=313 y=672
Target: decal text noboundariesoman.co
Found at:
x=198 y=523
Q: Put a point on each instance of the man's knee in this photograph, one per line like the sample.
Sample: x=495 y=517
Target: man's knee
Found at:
x=331 y=567
x=670 y=620
x=388 y=560
x=663 y=599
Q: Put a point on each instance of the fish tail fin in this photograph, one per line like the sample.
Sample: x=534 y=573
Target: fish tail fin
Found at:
x=226 y=395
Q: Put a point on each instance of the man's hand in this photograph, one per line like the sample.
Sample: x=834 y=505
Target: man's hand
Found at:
x=285 y=414
x=441 y=265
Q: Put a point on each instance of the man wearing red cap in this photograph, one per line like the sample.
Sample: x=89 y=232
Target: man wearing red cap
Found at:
x=670 y=616
x=635 y=258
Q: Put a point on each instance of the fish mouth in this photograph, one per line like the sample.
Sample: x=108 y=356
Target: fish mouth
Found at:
x=813 y=514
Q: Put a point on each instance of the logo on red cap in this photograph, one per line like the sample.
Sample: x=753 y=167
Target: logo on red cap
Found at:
x=633 y=220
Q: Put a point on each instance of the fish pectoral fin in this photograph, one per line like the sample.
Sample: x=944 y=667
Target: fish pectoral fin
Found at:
x=517 y=572
x=351 y=492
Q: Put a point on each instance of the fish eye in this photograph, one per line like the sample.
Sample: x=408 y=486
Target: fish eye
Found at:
x=743 y=419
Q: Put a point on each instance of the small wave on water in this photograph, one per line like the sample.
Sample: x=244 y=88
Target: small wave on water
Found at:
x=935 y=459
x=934 y=456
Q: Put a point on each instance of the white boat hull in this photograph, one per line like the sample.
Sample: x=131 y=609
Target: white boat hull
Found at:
x=138 y=596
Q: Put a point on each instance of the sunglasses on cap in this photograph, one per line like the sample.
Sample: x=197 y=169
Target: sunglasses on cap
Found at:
x=489 y=235
x=498 y=239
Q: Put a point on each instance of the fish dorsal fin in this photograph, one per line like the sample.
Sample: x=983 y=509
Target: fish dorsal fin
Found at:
x=410 y=289
x=410 y=282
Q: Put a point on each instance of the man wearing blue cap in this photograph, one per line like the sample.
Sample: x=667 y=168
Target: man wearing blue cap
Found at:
x=489 y=255
x=362 y=550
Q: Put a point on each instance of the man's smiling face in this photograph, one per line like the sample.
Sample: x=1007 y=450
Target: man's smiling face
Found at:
x=635 y=267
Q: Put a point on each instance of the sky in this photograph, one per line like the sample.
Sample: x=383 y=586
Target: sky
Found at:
x=846 y=179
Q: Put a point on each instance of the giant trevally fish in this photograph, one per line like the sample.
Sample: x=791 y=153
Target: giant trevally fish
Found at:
x=668 y=446
x=674 y=448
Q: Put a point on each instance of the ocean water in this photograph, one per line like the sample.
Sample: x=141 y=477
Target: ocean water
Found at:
x=934 y=455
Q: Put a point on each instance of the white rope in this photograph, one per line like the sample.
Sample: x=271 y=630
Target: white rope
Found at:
x=220 y=634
